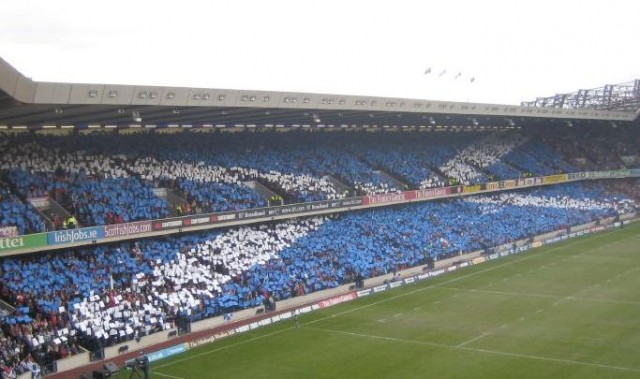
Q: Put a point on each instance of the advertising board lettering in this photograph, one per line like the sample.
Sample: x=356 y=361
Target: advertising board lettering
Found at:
x=554 y=178
x=336 y=300
x=223 y=217
x=385 y=198
x=196 y=221
x=9 y=244
x=492 y=186
x=380 y=288
x=252 y=214
x=352 y=202
x=117 y=230
x=75 y=235
x=432 y=193
x=471 y=189
x=436 y=273
x=158 y=225
x=509 y=183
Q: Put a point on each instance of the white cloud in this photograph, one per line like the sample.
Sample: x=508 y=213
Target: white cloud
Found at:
x=516 y=50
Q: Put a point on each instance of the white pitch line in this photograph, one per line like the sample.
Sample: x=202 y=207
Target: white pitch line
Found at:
x=485 y=351
x=167 y=375
x=472 y=340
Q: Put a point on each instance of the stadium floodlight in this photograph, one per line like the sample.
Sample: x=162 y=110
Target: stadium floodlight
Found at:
x=221 y=97
x=142 y=95
x=153 y=95
x=92 y=93
x=170 y=95
x=112 y=93
x=266 y=99
x=206 y=96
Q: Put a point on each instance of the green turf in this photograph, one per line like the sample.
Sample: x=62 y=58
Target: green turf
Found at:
x=570 y=310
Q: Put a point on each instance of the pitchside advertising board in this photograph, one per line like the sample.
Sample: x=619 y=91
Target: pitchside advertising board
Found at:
x=131 y=228
x=63 y=237
x=30 y=241
x=249 y=214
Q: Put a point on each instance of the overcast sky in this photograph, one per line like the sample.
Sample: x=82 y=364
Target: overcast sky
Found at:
x=516 y=50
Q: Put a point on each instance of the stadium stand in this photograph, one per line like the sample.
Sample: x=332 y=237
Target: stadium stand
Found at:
x=13 y=212
x=110 y=178
x=116 y=293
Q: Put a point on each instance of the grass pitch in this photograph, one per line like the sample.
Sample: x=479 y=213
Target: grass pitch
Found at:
x=570 y=310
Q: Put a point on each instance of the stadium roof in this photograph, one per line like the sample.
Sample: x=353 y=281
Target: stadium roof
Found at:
x=615 y=97
x=24 y=102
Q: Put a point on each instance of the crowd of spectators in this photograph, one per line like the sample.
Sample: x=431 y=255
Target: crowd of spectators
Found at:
x=109 y=294
x=110 y=178
x=15 y=213
x=480 y=161
x=593 y=147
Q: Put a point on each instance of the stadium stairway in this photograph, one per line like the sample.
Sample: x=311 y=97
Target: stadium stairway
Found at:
x=48 y=212
x=338 y=184
x=262 y=190
x=397 y=182
x=173 y=199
